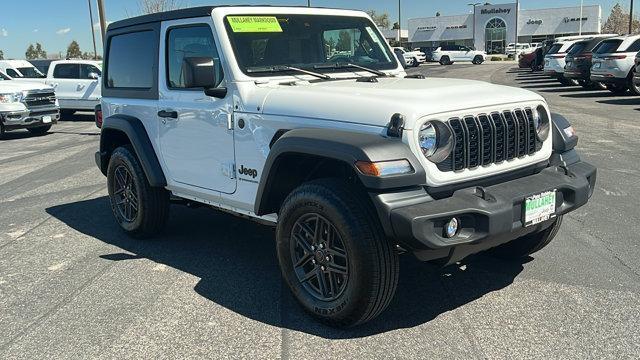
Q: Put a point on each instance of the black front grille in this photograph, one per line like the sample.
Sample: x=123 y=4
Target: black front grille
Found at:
x=491 y=138
x=38 y=99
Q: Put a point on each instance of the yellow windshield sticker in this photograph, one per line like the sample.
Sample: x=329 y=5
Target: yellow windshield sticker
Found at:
x=254 y=24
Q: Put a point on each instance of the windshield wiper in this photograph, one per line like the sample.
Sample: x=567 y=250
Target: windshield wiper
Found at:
x=350 y=65
x=283 y=68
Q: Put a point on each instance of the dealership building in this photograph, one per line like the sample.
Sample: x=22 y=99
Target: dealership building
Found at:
x=492 y=27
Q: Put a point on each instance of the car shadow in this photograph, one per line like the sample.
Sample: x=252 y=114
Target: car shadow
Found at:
x=625 y=101
x=592 y=94
x=236 y=262
x=80 y=117
x=21 y=134
x=543 y=86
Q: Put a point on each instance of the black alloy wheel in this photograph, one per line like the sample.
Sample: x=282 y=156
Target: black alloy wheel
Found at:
x=126 y=197
x=320 y=257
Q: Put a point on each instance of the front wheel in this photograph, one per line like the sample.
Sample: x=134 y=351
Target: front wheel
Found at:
x=445 y=60
x=478 y=60
x=416 y=63
x=634 y=87
x=528 y=244
x=140 y=209
x=333 y=254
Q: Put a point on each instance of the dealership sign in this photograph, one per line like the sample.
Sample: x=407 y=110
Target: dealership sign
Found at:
x=568 y=20
x=534 y=22
x=426 y=28
x=456 y=27
x=495 y=11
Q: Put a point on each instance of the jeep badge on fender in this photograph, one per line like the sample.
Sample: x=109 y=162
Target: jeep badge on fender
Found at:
x=344 y=185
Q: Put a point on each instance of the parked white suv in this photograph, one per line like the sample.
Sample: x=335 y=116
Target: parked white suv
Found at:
x=76 y=82
x=448 y=54
x=513 y=50
x=614 y=63
x=414 y=58
x=245 y=109
x=25 y=105
x=19 y=69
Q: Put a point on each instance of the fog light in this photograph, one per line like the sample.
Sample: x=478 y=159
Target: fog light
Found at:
x=451 y=228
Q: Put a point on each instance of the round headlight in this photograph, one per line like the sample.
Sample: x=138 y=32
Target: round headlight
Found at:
x=541 y=122
x=435 y=140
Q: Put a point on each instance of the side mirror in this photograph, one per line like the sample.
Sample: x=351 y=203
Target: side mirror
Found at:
x=203 y=72
x=93 y=76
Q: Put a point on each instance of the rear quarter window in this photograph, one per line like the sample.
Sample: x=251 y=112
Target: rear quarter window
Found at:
x=635 y=47
x=554 y=49
x=608 y=46
x=131 y=60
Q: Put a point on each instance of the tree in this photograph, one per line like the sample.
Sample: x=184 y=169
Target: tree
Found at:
x=382 y=20
x=344 y=41
x=40 y=53
x=155 y=6
x=30 y=54
x=618 y=21
x=438 y=14
x=1 y=55
x=395 y=26
x=73 y=50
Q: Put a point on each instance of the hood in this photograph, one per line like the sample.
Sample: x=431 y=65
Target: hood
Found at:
x=373 y=103
x=17 y=85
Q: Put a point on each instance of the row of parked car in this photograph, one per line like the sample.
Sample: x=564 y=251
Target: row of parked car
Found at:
x=34 y=95
x=445 y=55
x=594 y=62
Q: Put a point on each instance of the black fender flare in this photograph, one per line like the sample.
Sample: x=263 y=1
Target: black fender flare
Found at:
x=136 y=133
x=345 y=146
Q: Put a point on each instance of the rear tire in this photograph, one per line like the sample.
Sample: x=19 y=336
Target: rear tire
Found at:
x=140 y=209
x=617 y=89
x=445 y=60
x=528 y=244
x=333 y=253
x=634 y=87
x=40 y=130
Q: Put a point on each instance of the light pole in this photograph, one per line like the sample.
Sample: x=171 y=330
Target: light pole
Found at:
x=308 y=3
x=399 y=23
x=474 y=21
x=93 y=32
x=631 y=17
x=103 y=20
x=581 y=15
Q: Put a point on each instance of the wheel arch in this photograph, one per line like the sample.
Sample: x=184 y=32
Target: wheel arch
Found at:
x=119 y=130
x=301 y=155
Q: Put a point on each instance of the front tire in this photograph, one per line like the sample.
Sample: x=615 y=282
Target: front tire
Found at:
x=40 y=130
x=141 y=210
x=478 y=60
x=445 y=60
x=528 y=244
x=634 y=87
x=416 y=63
x=333 y=254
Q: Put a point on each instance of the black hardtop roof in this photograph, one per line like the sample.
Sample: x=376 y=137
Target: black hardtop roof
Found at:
x=179 y=14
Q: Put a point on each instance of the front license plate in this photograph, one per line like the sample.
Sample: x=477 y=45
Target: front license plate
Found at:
x=539 y=208
x=46 y=119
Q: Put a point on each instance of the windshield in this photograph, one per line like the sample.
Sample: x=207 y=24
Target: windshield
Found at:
x=555 y=48
x=306 y=42
x=577 y=48
x=608 y=46
x=30 y=72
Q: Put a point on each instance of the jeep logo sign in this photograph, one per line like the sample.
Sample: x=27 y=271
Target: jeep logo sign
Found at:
x=249 y=172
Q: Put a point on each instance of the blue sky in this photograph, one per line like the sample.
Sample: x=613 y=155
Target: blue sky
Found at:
x=54 y=23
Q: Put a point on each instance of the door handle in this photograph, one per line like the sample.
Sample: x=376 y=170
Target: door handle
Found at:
x=168 y=114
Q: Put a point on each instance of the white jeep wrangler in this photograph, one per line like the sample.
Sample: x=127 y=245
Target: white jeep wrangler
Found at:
x=304 y=119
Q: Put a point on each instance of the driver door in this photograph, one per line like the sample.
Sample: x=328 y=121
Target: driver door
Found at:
x=195 y=130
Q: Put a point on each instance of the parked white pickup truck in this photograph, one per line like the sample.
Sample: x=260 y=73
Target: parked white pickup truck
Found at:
x=20 y=69
x=25 y=105
x=76 y=82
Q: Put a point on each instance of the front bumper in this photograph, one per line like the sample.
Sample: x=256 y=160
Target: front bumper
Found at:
x=489 y=216
x=29 y=118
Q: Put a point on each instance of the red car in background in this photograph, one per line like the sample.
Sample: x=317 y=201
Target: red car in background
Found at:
x=526 y=59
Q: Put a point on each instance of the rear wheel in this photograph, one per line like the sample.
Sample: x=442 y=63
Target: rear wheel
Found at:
x=40 y=130
x=528 y=244
x=634 y=87
x=445 y=60
x=617 y=89
x=333 y=254
x=140 y=209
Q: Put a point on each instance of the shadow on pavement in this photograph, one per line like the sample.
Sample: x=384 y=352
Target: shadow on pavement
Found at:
x=593 y=94
x=236 y=262
x=84 y=116
x=21 y=134
x=624 y=101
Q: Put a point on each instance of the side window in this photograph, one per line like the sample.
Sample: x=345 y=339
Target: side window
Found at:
x=131 y=60
x=88 y=69
x=635 y=47
x=13 y=73
x=192 y=58
x=66 y=71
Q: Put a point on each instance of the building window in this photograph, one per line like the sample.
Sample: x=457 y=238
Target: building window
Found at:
x=495 y=36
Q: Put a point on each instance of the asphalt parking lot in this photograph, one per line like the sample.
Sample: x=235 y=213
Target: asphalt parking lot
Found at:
x=73 y=286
